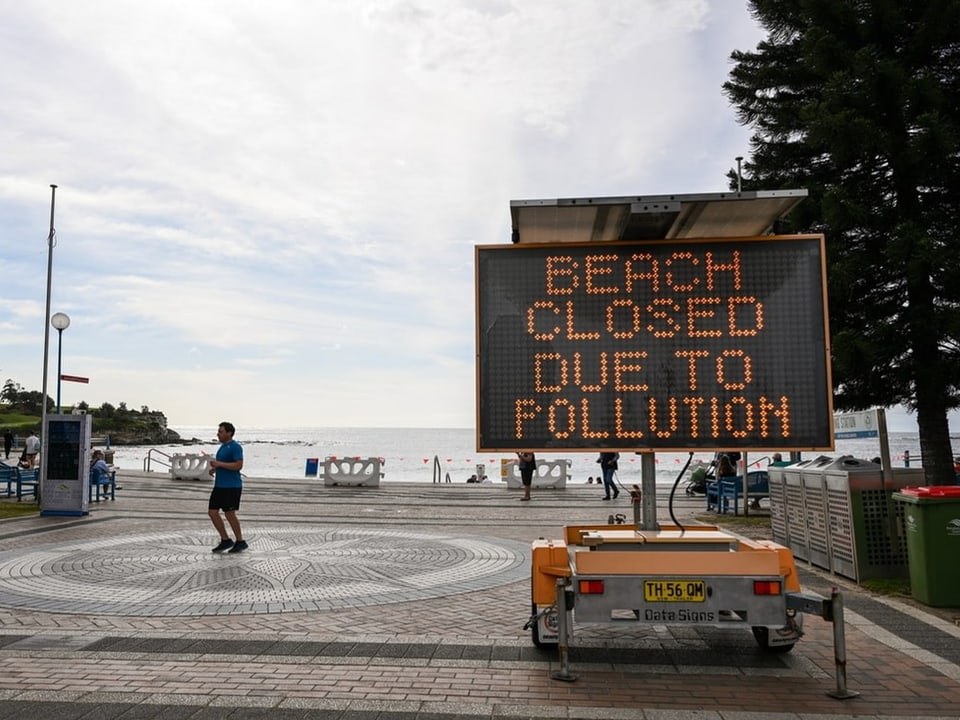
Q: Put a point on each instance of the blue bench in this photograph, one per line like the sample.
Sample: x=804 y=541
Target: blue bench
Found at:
x=719 y=492
x=103 y=484
x=29 y=480
x=8 y=475
x=730 y=489
x=713 y=495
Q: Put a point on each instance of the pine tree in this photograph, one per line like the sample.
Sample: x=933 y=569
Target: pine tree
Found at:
x=859 y=102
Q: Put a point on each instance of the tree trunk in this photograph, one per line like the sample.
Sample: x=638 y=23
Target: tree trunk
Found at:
x=935 y=450
x=930 y=380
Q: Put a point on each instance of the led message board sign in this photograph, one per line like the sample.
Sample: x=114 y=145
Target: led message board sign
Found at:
x=673 y=345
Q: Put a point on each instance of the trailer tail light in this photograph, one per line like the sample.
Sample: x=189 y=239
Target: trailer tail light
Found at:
x=591 y=587
x=766 y=587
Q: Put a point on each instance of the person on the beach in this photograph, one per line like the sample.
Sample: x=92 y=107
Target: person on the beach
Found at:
x=31 y=448
x=725 y=468
x=227 y=488
x=528 y=465
x=99 y=471
x=608 y=466
x=98 y=463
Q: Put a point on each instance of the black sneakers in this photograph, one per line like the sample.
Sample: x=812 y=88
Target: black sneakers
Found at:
x=225 y=545
x=239 y=546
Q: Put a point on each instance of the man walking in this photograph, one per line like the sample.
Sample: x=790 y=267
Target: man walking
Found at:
x=31 y=449
x=227 y=488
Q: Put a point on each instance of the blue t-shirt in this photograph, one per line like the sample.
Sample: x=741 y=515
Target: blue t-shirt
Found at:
x=230 y=451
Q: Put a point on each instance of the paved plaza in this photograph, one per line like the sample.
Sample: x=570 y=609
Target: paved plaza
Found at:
x=399 y=602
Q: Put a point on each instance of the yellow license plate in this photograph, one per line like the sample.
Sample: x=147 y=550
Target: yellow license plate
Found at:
x=674 y=591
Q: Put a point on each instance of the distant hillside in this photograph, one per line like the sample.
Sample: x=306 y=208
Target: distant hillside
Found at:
x=21 y=412
x=126 y=431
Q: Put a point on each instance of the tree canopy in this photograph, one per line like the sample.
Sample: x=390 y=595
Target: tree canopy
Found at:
x=108 y=416
x=859 y=102
x=26 y=401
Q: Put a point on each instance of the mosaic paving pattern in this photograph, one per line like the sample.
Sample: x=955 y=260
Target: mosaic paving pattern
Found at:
x=287 y=568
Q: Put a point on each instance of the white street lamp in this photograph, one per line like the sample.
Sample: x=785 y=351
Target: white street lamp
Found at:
x=61 y=321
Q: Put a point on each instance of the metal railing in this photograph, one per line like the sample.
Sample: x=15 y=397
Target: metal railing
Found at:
x=149 y=459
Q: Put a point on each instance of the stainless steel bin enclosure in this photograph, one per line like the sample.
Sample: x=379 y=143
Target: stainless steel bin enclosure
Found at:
x=787 y=515
x=866 y=526
x=816 y=513
x=838 y=514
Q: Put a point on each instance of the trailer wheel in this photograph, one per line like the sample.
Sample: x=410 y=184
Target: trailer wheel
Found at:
x=761 y=634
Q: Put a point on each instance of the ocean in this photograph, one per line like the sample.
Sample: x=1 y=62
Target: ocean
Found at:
x=423 y=455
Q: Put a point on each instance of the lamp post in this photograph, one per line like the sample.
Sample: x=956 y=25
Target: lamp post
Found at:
x=46 y=349
x=61 y=321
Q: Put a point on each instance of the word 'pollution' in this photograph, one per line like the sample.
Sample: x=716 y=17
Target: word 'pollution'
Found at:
x=681 y=299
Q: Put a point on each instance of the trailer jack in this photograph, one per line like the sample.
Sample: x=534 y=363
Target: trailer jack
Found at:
x=563 y=645
x=830 y=610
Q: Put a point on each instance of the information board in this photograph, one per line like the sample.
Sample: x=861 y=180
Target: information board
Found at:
x=659 y=345
x=857 y=425
x=64 y=471
x=866 y=424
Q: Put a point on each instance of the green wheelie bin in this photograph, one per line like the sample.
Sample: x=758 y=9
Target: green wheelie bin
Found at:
x=931 y=521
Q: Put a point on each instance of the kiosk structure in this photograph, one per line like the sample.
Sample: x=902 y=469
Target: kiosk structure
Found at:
x=65 y=465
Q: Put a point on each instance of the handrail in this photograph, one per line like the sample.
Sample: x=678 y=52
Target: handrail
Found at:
x=438 y=471
x=147 y=461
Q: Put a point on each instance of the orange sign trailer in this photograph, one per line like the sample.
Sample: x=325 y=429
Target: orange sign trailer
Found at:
x=664 y=574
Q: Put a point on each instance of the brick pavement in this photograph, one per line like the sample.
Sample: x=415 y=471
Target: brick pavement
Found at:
x=124 y=614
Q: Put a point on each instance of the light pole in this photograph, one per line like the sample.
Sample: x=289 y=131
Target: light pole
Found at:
x=61 y=321
x=46 y=348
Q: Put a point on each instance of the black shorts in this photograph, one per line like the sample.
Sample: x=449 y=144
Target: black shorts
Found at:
x=226 y=499
x=526 y=476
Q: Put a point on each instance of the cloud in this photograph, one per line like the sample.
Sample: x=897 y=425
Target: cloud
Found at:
x=270 y=211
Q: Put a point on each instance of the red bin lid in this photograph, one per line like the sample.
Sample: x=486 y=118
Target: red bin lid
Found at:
x=932 y=491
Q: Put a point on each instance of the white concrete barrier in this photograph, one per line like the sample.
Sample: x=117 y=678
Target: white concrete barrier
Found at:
x=190 y=466
x=355 y=471
x=550 y=474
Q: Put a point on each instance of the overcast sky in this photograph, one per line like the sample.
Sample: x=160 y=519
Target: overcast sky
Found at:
x=266 y=212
